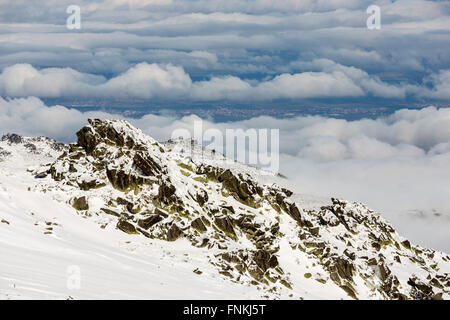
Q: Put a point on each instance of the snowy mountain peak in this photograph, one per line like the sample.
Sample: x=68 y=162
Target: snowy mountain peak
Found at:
x=252 y=233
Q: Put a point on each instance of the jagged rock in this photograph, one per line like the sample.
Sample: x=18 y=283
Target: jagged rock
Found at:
x=30 y=147
x=406 y=244
x=80 y=203
x=230 y=257
x=349 y=291
x=198 y=225
x=202 y=197
x=314 y=231
x=238 y=189
x=166 y=193
x=229 y=208
x=4 y=153
x=256 y=273
x=91 y=184
x=264 y=260
x=420 y=290
x=147 y=164
x=87 y=139
x=147 y=223
x=437 y=296
x=41 y=175
x=287 y=192
x=160 y=212
x=110 y=212
x=384 y=271
x=346 y=239
x=12 y=138
x=343 y=267
x=225 y=224
x=126 y=227
x=174 y=233
x=294 y=212
x=122 y=180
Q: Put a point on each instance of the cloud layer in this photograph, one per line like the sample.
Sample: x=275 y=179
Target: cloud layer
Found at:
x=148 y=81
x=237 y=49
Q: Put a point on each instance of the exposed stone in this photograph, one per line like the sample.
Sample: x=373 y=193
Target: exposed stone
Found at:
x=238 y=189
x=287 y=192
x=437 y=296
x=225 y=224
x=126 y=227
x=265 y=260
x=349 y=291
x=80 y=203
x=147 y=164
x=87 y=139
x=111 y=212
x=198 y=225
x=91 y=184
x=174 y=233
x=406 y=244
x=41 y=175
x=122 y=180
x=12 y=138
x=160 y=212
x=202 y=197
x=166 y=193
x=343 y=267
x=256 y=273
x=314 y=231
x=147 y=223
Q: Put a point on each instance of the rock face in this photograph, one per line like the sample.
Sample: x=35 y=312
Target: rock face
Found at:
x=161 y=192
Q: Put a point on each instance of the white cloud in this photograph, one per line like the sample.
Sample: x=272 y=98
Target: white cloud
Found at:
x=146 y=81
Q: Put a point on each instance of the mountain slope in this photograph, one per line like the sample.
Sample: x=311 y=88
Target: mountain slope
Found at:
x=231 y=232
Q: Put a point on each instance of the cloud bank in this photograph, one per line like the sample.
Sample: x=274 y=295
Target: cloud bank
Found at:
x=148 y=81
x=399 y=165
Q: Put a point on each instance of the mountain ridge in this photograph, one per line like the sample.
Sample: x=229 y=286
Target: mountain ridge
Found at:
x=255 y=234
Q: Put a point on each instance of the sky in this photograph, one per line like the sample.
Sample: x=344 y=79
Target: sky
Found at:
x=298 y=51
x=211 y=50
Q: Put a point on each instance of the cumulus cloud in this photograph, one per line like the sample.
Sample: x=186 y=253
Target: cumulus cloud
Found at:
x=147 y=81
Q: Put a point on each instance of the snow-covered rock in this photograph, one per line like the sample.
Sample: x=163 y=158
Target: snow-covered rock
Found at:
x=238 y=229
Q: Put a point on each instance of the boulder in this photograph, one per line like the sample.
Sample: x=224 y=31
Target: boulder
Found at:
x=147 y=223
x=126 y=227
x=80 y=203
x=174 y=233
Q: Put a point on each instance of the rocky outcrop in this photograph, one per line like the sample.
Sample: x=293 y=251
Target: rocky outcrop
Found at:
x=151 y=190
